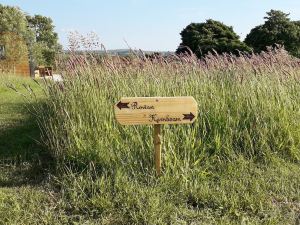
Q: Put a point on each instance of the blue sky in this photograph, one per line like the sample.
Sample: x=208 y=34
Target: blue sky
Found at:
x=150 y=24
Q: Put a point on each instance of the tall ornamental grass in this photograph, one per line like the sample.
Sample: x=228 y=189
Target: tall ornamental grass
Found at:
x=249 y=109
x=248 y=105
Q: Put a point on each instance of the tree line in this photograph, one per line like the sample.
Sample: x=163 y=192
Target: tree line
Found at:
x=212 y=35
x=199 y=38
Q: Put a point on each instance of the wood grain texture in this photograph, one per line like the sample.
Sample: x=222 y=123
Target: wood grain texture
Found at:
x=157 y=139
x=156 y=110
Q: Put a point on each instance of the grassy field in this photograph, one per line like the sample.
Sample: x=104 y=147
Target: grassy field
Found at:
x=70 y=162
x=24 y=173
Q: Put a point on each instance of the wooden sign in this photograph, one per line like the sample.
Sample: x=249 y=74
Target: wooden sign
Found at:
x=156 y=110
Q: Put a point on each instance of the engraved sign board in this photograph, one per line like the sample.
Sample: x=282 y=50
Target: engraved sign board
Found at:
x=156 y=110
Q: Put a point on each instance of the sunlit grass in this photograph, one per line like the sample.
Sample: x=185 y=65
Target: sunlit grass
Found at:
x=232 y=164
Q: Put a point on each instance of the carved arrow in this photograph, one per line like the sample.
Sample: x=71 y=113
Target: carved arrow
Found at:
x=189 y=116
x=121 y=105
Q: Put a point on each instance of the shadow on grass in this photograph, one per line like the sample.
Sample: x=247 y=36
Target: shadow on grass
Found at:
x=23 y=160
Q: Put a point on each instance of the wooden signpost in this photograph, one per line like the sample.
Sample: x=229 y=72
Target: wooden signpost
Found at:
x=156 y=111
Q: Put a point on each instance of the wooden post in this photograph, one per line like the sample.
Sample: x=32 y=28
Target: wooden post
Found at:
x=157 y=147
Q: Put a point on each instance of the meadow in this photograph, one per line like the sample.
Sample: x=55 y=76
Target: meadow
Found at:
x=238 y=163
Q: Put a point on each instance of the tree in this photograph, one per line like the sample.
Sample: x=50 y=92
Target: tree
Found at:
x=37 y=32
x=13 y=20
x=202 y=38
x=277 y=29
x=46 y=39
x=15 y=37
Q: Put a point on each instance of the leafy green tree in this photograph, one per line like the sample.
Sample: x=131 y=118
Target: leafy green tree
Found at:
x=46 y=39
x=277 y=29
x=38 y=51
x=37 y=32
x=13 y=20
x=14 y=35
x=202 y=38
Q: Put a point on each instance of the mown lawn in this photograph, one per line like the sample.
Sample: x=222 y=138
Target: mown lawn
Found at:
x=239 y=191
x=25 y=197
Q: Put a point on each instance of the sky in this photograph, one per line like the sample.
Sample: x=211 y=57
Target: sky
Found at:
x=153 y=25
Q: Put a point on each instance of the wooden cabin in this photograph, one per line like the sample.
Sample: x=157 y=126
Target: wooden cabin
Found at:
x=14 y=57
